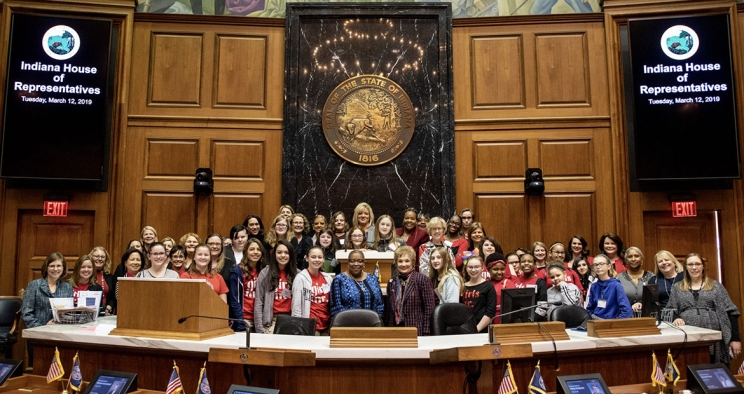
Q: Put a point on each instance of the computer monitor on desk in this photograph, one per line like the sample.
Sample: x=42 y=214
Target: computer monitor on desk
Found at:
x=515 y=299
x=711 y=379
x=650 y=301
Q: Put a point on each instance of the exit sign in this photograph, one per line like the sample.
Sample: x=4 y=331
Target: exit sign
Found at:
x=55 y=208
x=684 y=209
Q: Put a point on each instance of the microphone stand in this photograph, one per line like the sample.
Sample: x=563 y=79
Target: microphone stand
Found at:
x=246 y=369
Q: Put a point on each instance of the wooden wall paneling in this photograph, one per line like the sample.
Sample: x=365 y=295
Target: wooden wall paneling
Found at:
x=175 y=74
x=505 y=217
x=244 y=159
x=231 y=209
x=497 y=71
x=172 y=214
x=567 y=158
x=240 y=71
x=562 y=70
x=568 y=214
x=171 y=157
x=499 y=159
x=207 y=73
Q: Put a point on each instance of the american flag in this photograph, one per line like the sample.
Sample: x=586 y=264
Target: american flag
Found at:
x=508 y=386
x=56 y=371
x=174 y=384
x=657 y=376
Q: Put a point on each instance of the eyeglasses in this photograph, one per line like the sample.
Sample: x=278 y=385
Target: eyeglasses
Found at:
x=280 y=225
x=214 y=243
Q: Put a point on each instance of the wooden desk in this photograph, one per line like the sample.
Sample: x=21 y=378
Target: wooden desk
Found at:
x=38 y=385
x=359 y=371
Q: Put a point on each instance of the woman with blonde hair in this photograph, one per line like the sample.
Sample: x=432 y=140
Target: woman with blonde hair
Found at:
x=385 y=239
x=102 y=262
x=148 y=235
x=447 y=283
x=189 y=241
x=286 y=211
x=277 y=232
x=83 y=277
x=703 y=302
x=364 y=218
x=668 y=272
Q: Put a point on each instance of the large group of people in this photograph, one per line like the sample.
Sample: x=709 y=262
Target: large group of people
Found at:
x=291 y=267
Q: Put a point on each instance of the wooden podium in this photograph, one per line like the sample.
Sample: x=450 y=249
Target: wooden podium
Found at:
x=151 y=308
x=371 y=258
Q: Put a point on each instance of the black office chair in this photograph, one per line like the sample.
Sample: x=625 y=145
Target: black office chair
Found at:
x=572 y=315
x=453 y=319
x=357 y=318
x=288 y=325
x=10 y=318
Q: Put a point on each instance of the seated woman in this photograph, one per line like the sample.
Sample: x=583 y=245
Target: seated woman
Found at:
x=202 y=269
x=277 y=232
x=479 y=293
x=561 y=291
x=634 y=278
x=356 y=289
x=158 y=267
x=410 y=301
x=328 y=242
x=300 y=241
x=242 y=285
x=410 y=233
x=607 y=299
x=311 y=292
x=668 y=272
x=444 y=277
x=177 y=259
x=274 y=288
x=435 y=228
x=102 y=262
x=385 y=239
x=83 y=278
x=500 y=278
x=703 y=302
x=36 y=310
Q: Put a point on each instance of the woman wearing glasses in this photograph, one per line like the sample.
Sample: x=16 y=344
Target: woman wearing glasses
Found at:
x=356 y=289
x=704 y=302
x=159 y=268
x=607 y=298
x=277 y=232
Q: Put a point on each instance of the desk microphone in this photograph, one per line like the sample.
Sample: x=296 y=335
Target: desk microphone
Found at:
x=557 y=303
x=247 y=331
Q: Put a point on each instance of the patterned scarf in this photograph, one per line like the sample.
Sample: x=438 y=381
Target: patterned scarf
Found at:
x=400 y=288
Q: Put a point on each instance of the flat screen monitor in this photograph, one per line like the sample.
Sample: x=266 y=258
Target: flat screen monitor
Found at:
x=58 y=108
x=515 y=299
x=237 y=389
x=582 y=384
x=711 y=379
x=111 y=382
x=10 y=369
x=679 y=93
x=650 y=301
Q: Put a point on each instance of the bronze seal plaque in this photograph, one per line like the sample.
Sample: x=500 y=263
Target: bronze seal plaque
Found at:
x=368 y=120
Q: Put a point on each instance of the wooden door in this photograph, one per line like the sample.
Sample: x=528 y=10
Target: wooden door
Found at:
x=41 y=236
x=682 y=236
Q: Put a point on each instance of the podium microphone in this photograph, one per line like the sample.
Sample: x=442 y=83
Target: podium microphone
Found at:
x=247 y=331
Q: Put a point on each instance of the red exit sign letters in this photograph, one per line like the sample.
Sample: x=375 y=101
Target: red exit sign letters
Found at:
x=55 y=208
x=684 y=209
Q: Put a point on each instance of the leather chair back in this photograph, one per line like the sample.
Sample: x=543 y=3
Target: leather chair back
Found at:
x=453 y=319
x=357 y=318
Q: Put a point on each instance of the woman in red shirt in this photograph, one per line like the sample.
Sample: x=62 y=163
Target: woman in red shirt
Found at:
x=311 y=291
x=274 y=288
x=83 y=277
x=201 y=268
x=242 y=285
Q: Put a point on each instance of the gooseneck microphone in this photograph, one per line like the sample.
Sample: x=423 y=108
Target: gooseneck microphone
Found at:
x=247 y=331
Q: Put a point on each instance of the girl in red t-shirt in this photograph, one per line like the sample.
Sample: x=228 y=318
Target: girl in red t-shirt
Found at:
x=311 y=291
x=201 y=268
